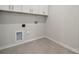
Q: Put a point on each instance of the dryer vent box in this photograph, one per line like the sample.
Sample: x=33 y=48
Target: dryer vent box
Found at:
x=19 y=36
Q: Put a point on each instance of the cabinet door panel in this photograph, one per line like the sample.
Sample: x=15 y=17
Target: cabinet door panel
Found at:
x=4 y=7
x=43 y=9
x=35 y=9
x=26 y=8
x=30 y=9
x=17 y=8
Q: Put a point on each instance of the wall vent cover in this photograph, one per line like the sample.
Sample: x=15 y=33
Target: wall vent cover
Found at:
x=19 y=36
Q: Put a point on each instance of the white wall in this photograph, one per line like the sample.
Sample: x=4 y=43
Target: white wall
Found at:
x=63 y=25
x=10 y=23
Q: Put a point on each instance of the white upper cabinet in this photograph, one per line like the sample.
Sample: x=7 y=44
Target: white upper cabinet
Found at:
x=31 y=9
x=36 y=9
x=4 y=7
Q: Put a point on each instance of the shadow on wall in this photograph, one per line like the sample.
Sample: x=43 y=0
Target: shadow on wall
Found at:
x=14 y=18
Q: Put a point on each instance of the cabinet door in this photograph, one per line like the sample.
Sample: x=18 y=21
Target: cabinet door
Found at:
x=43 y=9
x=4 y=7
x=17 y=8
x=27 y=9
x=33 y=9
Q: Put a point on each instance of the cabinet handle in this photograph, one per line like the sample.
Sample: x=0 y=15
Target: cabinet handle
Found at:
x=43 y=12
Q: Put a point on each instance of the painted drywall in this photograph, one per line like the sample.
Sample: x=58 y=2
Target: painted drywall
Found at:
x=10 y=23
x=63 y=25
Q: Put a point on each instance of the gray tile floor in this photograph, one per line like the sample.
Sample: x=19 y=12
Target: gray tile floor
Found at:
x=41 y=46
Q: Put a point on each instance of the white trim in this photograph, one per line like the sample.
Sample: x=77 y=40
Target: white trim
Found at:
x=60 y=43
x=64 y=45
x=26 y=41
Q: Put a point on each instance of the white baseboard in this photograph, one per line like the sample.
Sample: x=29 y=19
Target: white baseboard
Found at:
x=64 y=45
x=60 y=43
x=26 y=41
